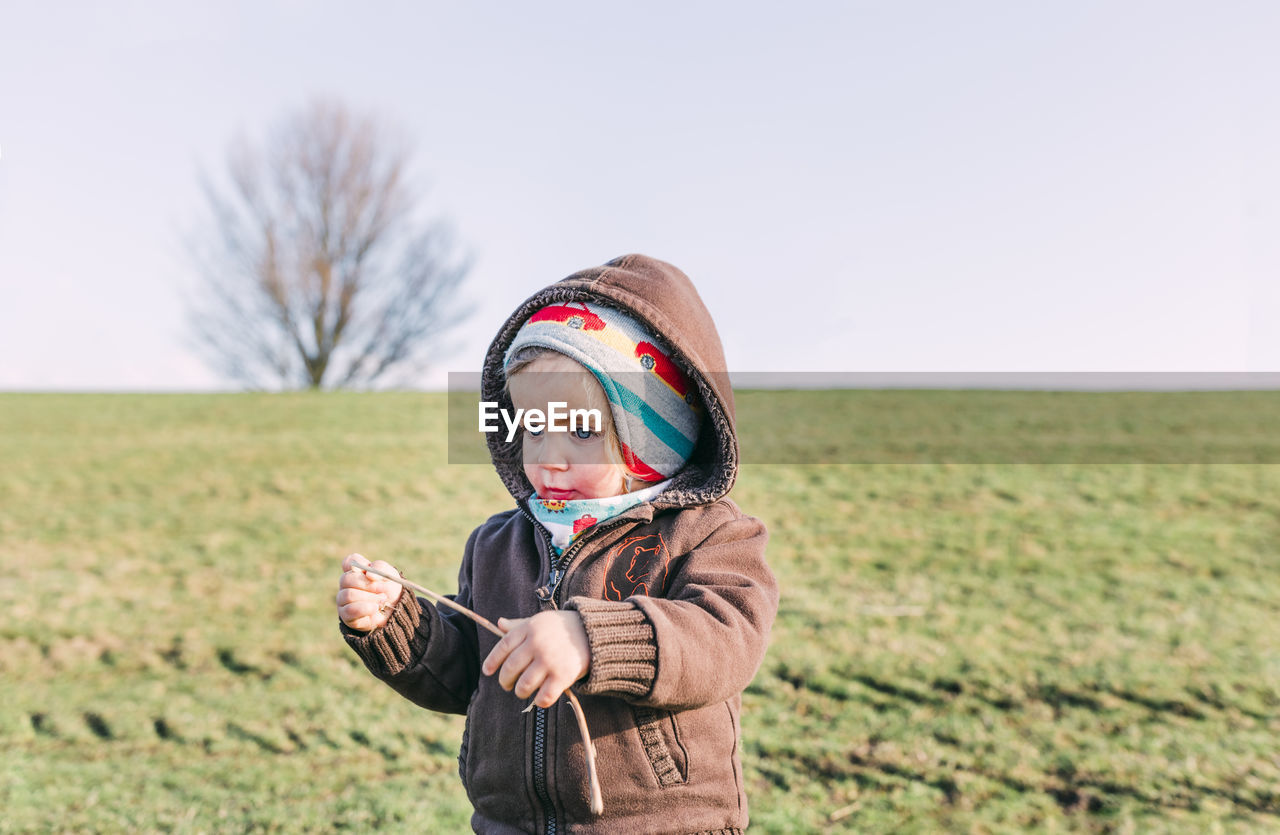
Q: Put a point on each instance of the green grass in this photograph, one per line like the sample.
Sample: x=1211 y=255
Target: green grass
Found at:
x=962 y=647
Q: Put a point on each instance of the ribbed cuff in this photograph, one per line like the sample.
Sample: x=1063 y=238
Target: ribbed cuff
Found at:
x=624 y=652
x=388 y=649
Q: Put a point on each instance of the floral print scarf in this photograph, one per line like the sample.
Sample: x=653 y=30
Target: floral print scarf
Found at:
x=565 y=520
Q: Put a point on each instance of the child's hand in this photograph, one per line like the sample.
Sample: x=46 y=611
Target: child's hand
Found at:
x=365 y=601
x=545 y=654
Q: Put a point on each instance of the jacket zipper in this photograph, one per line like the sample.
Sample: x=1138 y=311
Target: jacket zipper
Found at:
x=540 y=717
x=560 y=568
x=560 y=565
x=540 y=769
x=548 y=594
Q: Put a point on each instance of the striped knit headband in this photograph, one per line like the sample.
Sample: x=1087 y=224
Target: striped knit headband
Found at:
x=655 y=406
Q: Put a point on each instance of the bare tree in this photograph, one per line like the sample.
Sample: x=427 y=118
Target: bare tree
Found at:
x=316 y=267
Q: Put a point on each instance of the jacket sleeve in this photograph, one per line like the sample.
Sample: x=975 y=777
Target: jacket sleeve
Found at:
x=426 y=653
x=703 y=641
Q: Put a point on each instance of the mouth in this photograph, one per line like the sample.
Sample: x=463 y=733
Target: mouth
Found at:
x=559 y=495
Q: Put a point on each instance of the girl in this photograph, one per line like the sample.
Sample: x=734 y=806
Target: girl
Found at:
x=624 y=572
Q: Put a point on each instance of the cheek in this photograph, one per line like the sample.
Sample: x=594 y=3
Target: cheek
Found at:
x=529 y=459
x=603 y=481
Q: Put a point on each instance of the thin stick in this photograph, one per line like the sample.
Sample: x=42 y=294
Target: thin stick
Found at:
x=597 y=800
x=439 y=598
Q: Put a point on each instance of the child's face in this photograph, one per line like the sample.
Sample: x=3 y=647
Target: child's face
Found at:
x=566 y=465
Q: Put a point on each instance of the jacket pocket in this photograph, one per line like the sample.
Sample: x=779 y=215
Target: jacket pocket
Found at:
x=660 y=737
x=462 y=751
x=735 y=731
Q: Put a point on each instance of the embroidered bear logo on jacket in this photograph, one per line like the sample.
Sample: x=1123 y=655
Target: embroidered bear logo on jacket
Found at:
x=637 y=566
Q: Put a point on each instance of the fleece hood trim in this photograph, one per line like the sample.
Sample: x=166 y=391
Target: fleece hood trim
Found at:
x=665 y=299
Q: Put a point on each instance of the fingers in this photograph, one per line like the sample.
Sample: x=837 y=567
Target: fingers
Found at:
x=348 y=597
x=353 y=578
x=552 y=687
x=364 y=602
x=516 y=665
x=354 y=561
x=362 y=610
x=530 y=680
x=549 y=684
x=531 y=659
x=389 y=588
x=498 y=655
x=523 y=673
x=384 y=567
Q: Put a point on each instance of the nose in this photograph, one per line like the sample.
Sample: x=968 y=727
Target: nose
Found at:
x=551 y=453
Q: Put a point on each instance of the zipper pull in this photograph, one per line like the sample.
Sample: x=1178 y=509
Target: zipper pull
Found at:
x=547 y=593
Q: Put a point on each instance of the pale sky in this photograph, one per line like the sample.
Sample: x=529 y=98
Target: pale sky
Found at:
x=853 y=186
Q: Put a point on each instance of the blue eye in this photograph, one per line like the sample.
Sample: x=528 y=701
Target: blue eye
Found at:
x=584 y=434
x=532 y=433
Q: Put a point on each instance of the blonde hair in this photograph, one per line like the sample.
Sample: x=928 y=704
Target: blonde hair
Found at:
x=530 y=354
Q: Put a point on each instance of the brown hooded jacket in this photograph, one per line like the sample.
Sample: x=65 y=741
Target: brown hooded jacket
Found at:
x=668 y=666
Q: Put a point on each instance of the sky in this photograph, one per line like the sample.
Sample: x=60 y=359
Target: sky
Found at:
x=853 y=186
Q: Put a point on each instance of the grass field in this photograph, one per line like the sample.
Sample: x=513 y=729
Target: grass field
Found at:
x=989 y=647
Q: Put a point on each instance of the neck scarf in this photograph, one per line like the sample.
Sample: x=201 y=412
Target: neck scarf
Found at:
x=566 y=520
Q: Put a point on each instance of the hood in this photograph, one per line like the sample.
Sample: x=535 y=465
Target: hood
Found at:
x=663 y=297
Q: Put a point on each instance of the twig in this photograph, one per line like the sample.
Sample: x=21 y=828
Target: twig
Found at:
x=597 y=800
x=438 y=598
